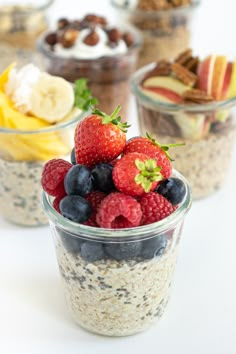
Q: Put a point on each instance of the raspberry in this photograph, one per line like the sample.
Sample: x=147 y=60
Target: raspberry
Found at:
x=94 y=198
x=56 y=204
x=53 y=177
x=155 y=207
x=118 y=210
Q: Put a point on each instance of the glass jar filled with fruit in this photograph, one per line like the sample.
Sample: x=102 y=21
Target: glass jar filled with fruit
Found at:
x=116 y=213
x=191 y=100
x=165 y=25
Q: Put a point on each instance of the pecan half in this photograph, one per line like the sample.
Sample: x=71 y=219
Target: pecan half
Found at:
x=197 y=96
x=183 y=74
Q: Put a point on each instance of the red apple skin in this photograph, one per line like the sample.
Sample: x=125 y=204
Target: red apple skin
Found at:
x=170 y=95
x=226 y=83
x=204 y=73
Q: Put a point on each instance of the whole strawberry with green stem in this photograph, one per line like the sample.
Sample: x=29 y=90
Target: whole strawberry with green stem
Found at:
x=154 y=150
x=136 y=174
x=100 y=138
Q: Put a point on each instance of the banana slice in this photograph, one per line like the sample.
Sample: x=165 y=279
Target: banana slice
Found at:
x=51 y=98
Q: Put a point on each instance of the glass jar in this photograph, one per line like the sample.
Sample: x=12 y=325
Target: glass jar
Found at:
x=21 y=23
x=22 y=158
x=117 y=282
x=108 y=76
x=208 y=131
x=165 y=33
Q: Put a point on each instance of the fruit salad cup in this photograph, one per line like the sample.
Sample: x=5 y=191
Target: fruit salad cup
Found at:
x=91 y=48
x=165 y=25
x=194 y=102
x=37 y=121
x=20 y=25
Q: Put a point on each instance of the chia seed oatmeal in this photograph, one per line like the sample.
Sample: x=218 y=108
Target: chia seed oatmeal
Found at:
x=117 y=298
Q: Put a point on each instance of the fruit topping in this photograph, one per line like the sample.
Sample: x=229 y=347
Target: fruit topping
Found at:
x=118 y=210
x=99 y=138
x=75 y=208
x=173 y=189
x=78 y=180
x=102 y=177
x=53 y=176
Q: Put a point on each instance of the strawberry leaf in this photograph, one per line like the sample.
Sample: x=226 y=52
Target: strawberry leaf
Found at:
x=165 y=147
x=113 y=118
x=149 y=173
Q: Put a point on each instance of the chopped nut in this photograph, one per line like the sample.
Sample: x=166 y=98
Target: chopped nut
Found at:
x=192 y=64
x=128 y=38
x=51 y=38
x=197 y=96
x=183 y=74
x=183 y=57
x=62 y=23
x=114 y=35
x=68 y=37
x=95 y=19
x=92 y=38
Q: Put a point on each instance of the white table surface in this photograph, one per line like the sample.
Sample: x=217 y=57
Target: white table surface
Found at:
x=201 y=316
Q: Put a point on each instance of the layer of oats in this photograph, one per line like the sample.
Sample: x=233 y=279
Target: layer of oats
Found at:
x=116 y=298
x=20 y=192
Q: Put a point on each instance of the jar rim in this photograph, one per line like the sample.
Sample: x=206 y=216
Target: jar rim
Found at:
x=138 y=76
x=120 y=235
x=51 y=128
x=46 y=4
x=150 y=13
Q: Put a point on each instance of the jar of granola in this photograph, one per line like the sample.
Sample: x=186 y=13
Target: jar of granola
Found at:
x=20 y=25
x=165 y=25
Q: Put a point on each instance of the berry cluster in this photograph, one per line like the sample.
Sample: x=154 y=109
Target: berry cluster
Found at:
x=111 y=182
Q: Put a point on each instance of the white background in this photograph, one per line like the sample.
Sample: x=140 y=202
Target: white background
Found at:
x=201 y=317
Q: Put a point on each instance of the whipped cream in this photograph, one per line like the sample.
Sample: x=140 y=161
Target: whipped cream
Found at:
x=20 y=84
x=80 y=50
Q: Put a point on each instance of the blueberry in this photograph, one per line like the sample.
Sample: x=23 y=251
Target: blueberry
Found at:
x=75 y=208
x=92 y=251
x=78 y=180
x=102 y=175
x=173 y=189
x=123 y=251
x=71 y=243
x=72 y=157
x=154 y=246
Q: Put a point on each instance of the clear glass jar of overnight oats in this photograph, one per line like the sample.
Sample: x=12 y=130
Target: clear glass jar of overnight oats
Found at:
x=93 y=49
x=117 y=282
x=208 y=131
x=23 y=155
x=165 y=25
x=38 y=116
x=21 y=22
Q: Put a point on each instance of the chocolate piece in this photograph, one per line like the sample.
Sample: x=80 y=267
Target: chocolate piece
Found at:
x=92 y=38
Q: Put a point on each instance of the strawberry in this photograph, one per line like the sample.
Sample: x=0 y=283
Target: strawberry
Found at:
x=99 y=138
x=154 y=150
x=135 y=174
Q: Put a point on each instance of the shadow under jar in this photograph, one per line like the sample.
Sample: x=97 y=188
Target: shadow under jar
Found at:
x=165 y=32
x=208 y=131
x=23 y=155
x=108 y=76
x=117 y=282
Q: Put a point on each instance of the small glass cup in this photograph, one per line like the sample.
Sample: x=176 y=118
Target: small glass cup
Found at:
x=117 y=282
x=208 y=131
x=108 y=76
x=21 y=22
x=165 y=33
x=22 y=158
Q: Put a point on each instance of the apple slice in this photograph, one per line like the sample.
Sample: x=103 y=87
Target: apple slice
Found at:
x=194 y=126
x=232 y=85
x=166 y=82
x=162 y=94
x=205 y=73
x=226 y=83
x=218 y=76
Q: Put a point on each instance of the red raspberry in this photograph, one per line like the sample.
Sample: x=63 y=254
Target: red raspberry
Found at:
x=94 y=198
x=56 y=204
x=155 y=207
x=118 y=210
x=53 y=177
